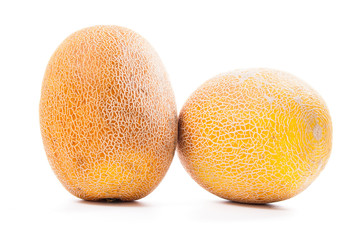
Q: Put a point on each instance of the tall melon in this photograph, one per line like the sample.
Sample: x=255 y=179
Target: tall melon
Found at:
x=107 y=114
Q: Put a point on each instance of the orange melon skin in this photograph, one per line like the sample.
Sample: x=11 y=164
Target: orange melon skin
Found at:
x=254 y=136
x=108 y=115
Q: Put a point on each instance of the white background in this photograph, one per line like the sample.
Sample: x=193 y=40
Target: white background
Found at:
x=317 y=41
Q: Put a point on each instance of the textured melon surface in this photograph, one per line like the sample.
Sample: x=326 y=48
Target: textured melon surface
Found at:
x=107 y=114
x=254 y=136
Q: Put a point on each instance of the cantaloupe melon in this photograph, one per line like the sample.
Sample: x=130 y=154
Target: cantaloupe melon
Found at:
x=107 y=114
x=254 y=136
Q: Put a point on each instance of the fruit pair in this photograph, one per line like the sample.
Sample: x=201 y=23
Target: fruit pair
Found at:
x=109 y=124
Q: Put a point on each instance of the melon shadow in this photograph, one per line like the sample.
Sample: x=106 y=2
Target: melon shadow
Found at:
x=265 y=206
x=129 y=204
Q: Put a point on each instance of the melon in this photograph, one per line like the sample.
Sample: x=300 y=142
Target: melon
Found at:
x=254 y=136
x=108 y=115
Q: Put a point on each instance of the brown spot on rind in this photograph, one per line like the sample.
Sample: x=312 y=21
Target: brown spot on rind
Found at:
x=317 y=131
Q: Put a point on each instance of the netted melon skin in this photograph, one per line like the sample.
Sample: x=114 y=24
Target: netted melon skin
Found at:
x=107 y=115
x=254 y=136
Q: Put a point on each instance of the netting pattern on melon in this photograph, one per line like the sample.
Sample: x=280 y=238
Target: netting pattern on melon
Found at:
x=107 y=114
x=254 y=136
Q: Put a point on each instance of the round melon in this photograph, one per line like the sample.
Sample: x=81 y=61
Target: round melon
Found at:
x=107 y=115
x=254 y=136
